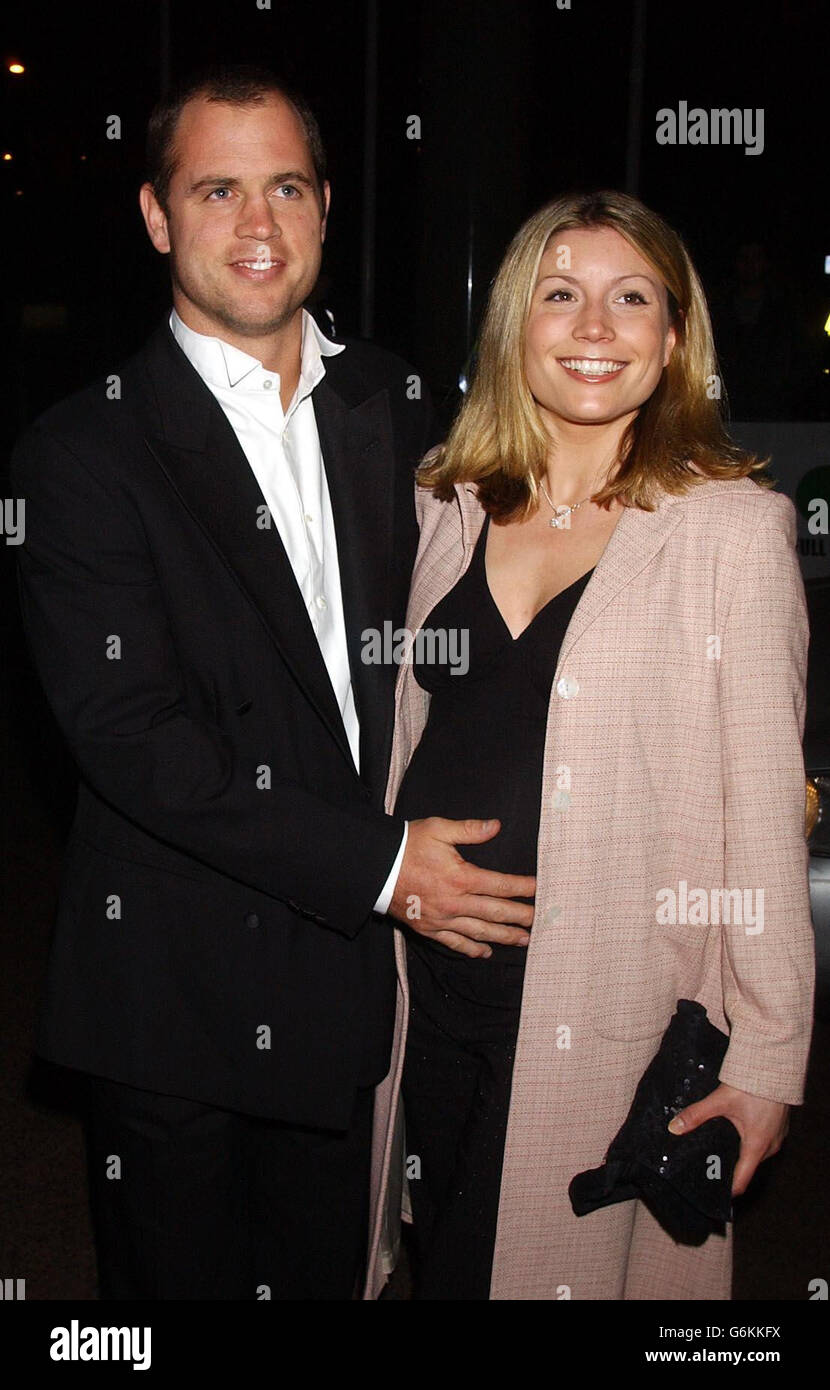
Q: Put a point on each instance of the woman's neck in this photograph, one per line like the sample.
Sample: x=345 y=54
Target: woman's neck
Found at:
x=582 y=458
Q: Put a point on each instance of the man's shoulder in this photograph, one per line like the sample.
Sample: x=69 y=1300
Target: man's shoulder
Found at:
x=366 y=366
x=80 y=413
x=108 y=405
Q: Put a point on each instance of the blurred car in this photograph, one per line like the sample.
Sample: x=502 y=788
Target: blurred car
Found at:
x=817 y=765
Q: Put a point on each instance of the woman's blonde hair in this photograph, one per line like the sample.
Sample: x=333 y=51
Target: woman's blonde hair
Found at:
x=678 y=437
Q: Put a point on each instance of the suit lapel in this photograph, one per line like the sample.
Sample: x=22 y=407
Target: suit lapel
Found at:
x=358 y=450
x=200 y=455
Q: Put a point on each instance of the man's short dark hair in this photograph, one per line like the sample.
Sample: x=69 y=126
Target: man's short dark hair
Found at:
x=238 y=84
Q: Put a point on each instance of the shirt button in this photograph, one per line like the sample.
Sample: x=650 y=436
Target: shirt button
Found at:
x=567 y=687
x=268 y=383
x=309 y=517
x=251 y=919
x=321 y=601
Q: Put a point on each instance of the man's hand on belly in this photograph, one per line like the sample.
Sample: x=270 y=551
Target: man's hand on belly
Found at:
x=440 y=895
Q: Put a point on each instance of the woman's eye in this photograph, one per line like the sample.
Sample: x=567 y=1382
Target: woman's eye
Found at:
x=634 y=296
x=556 y=296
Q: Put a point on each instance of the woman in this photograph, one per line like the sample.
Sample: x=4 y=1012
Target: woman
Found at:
x=631 y=713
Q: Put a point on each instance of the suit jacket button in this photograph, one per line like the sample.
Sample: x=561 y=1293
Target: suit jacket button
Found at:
x=251 y=919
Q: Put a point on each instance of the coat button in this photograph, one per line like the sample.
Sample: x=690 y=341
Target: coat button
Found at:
x=251 y=919
x=567 y=687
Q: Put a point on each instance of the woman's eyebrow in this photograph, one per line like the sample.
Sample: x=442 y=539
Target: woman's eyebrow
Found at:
x=573 y=280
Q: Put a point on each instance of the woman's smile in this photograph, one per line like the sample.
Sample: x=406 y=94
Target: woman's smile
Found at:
x=593 y=369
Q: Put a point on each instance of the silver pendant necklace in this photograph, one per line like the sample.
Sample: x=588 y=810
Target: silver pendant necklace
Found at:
x=564 y=512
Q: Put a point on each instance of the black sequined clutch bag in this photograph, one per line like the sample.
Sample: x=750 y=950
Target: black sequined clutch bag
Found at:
x=686 y=1179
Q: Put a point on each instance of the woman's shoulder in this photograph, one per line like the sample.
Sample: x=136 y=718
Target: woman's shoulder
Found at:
x=434 y=513
x=736 y=502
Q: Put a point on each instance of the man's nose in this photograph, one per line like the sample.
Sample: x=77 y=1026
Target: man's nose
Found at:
x=257 y=219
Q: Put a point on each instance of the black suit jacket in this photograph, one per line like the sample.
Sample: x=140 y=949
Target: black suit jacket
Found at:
x=215 y=935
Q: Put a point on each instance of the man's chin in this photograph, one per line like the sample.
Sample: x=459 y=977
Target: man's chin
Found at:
x=244 y=320
x=255 y=324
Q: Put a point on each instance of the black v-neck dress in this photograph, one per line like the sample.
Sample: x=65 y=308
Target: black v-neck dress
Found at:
x=480 y=755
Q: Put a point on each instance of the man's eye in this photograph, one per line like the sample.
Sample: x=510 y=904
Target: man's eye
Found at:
x=219 y=190
x=288 y=187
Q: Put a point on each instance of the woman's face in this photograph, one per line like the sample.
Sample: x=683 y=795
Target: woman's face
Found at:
x=598 y=335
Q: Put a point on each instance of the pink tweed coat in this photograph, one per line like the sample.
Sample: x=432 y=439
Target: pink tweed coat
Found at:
x=674 y=730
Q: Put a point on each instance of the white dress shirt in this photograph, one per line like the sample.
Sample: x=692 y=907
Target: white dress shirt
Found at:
x=283 y=450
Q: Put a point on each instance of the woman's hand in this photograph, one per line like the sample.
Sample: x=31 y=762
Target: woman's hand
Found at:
x=762 y=1125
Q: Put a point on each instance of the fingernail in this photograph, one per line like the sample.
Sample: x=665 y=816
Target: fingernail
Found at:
x=677 y=1125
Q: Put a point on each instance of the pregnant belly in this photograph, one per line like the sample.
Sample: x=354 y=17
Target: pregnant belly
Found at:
x=458 y=791
x=460 y=779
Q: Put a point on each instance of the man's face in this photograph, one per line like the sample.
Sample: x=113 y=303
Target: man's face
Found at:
x=243 y=226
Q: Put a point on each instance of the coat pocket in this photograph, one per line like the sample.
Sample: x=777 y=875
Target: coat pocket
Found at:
x=639 y=973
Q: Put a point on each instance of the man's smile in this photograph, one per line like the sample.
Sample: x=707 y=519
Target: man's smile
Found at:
x=258 y=268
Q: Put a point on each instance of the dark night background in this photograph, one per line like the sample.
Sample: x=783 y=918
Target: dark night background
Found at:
x=519 y=101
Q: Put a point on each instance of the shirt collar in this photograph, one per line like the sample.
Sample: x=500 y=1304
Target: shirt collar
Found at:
x=220 y=364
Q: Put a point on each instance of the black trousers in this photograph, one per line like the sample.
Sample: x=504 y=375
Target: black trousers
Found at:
x=463 y=1022
x=193 y=1202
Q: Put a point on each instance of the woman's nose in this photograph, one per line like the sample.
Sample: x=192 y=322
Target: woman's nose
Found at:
x=593 y=322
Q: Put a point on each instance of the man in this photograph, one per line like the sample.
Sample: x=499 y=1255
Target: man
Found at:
x=209 y=534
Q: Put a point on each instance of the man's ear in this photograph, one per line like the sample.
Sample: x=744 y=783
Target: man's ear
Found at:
x=326 y=205
x=155 y=219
